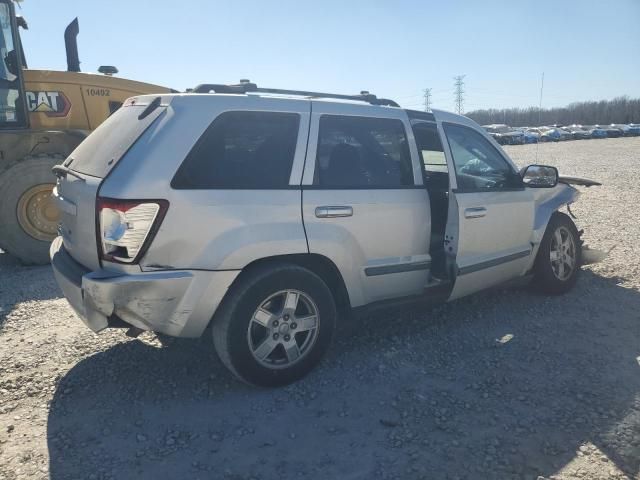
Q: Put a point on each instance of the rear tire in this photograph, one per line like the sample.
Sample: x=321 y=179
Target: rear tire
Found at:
x=27 y=216
x=559 y=257
x=264 y=331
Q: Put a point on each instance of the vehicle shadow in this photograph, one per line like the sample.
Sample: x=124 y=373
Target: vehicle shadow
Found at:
x=506 y=384
x=19 y=284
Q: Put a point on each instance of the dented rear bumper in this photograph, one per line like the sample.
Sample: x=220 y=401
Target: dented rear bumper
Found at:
x=174 y=302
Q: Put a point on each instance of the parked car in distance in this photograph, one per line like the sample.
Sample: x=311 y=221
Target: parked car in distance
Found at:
x=634 y=129
x=262 y=216
x=627 y=130
x=505 y=135
x=579 y=133
x=530 y=136
x=564 y=133
x=623 y=128
x=612 y=132
x=549 y=134
x=596 y=131
x=538 y=131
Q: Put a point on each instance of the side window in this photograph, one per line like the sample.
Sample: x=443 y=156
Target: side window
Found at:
x=360 y=152
x=430 y=147
x=252 y=150
x=479 y=166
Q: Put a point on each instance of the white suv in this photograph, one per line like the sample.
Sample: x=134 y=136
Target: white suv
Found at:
x=264 y=212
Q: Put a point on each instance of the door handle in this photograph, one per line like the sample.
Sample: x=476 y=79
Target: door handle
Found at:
x=334 y=211
x=475 y=212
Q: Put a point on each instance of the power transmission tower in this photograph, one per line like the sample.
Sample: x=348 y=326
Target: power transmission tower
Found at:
x=458 y=92
x=427 y=99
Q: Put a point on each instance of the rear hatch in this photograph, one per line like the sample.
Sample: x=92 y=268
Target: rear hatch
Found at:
x=87 y=166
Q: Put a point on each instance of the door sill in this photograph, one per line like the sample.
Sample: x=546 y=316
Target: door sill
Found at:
x=433 y=294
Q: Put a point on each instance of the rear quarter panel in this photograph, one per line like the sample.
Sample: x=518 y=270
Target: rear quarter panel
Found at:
x=210 y=229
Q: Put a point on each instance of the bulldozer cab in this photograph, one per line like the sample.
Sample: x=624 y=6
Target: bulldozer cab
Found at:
x=12 y=108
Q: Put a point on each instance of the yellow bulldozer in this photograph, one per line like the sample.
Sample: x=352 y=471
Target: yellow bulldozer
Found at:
x=44 y=115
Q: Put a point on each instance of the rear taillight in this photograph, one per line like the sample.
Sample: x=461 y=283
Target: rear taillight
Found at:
x=127 y=227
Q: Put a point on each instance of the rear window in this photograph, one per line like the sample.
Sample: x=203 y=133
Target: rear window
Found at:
x=102 y=150
x=252 y=150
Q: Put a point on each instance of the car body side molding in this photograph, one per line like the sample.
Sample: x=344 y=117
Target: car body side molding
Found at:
x=493 y=263
x=387 y=269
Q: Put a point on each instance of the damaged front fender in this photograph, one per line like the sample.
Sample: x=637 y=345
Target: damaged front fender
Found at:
x=548 y=201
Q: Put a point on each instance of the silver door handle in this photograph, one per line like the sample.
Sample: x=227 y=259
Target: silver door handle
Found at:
x=334 y=211
x=475 y=212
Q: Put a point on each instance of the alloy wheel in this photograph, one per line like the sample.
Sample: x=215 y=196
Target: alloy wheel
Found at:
x=563 y=253
x=283 y=329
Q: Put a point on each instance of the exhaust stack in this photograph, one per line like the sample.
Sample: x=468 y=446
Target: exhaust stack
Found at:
x=71 y=45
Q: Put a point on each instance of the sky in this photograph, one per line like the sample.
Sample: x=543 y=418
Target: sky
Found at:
x=587 y=49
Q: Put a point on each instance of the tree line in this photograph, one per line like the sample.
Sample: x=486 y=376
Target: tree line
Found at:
x=604 y=112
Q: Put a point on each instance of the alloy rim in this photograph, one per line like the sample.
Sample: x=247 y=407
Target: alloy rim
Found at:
x=562 y=253
x=283 y=329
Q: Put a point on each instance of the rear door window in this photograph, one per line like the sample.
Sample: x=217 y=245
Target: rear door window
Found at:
x=362 y=152
x=242 y=150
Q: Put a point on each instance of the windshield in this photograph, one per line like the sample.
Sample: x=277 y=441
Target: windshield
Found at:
x=10 y=113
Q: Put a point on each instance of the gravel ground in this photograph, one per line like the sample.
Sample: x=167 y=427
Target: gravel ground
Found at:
x=504 y=384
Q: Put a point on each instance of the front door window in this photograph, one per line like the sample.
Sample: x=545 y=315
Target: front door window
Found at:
x=479 y=166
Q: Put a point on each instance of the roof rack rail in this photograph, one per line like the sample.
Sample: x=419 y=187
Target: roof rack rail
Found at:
x=245 y=86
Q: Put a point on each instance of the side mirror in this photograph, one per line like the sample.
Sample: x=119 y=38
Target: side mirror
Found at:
x=540 y=176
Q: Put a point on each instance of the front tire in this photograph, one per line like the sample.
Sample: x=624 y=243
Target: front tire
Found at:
x=559 y=257
x=275 y=325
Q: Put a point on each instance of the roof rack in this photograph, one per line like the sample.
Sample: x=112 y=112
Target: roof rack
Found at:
x=245 y=86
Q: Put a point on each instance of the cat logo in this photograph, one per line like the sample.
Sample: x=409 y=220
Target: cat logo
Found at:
x=52 y=104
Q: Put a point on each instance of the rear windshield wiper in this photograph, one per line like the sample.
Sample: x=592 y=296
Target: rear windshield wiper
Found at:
x=61 y=171
x=150 y=108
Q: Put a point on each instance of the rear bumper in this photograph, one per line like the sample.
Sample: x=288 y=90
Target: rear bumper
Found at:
x=174 y=302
